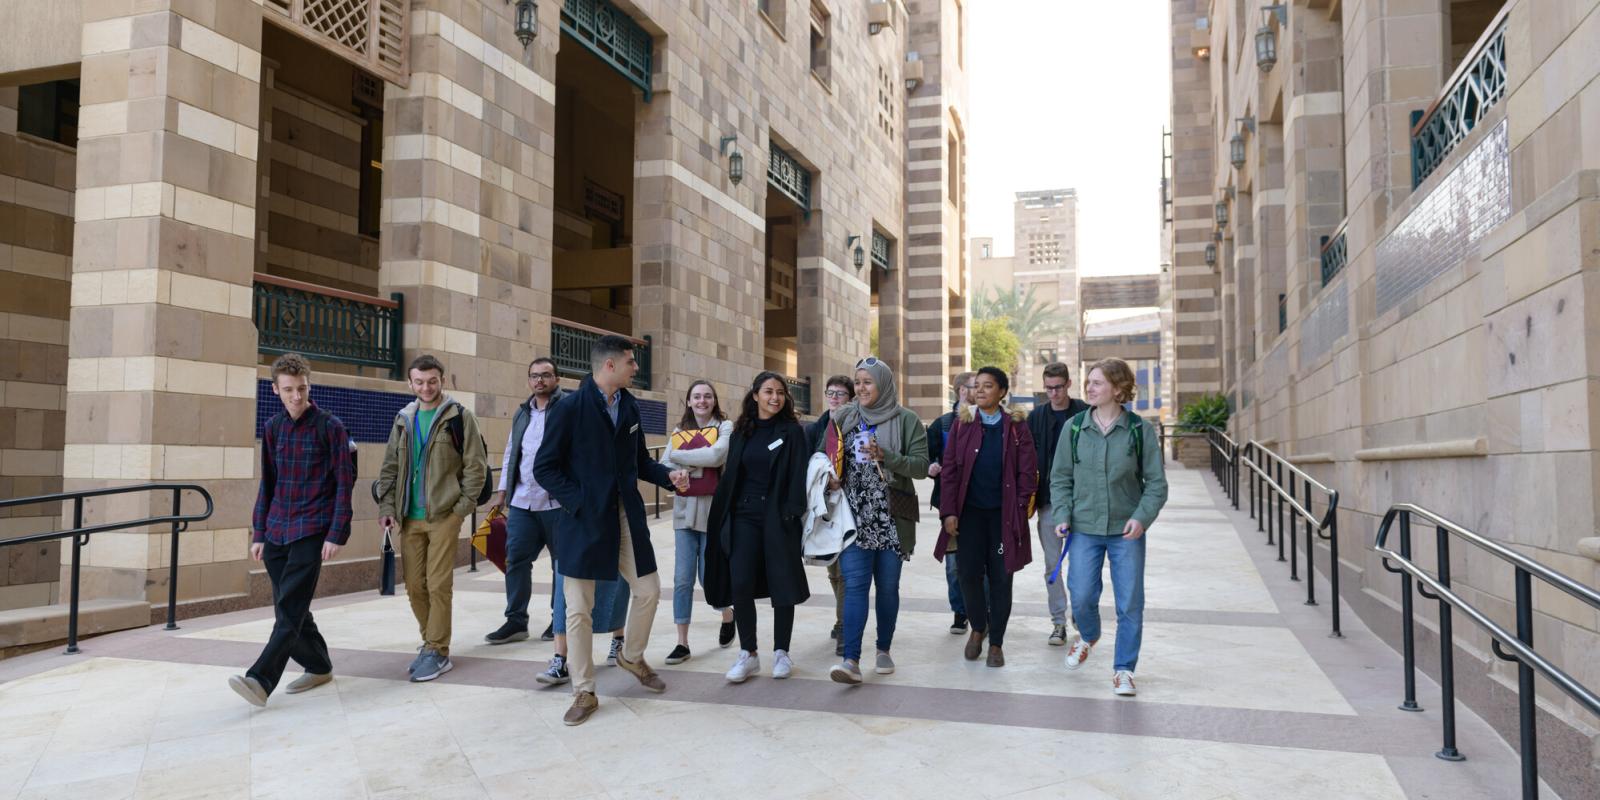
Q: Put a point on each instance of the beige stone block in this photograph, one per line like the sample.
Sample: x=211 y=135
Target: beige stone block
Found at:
x=148 y=199
x=239 y=463
x=203 y=210
x=139 y=373
x=205 y=294
x=196 y=377
x=30 y=463
x=204 y=126
x=83 y=375
x=86 y=289
x=246 y=141
x=122 y=549
x=205 y=43
x=77 y=461
x=103 y=119
x=244 y=220
x=107 y=461
x=249 y=63
x=107 y=36
x=194 y=547
x=241 y=301
x=119 y=201
x=192 y=462
x=232 y=544
x=114 y=287
x=89 y=205
x=144 y=286
x=110 y=374
x=46 y=396
x=138 y=462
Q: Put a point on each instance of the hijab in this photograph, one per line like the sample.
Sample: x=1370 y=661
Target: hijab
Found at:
x=885 y=409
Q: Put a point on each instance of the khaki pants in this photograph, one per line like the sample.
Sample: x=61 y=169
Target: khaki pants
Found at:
x=428 y=556
x=579 y=595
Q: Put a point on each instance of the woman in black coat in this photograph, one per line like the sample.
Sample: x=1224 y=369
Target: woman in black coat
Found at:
x=756 y=513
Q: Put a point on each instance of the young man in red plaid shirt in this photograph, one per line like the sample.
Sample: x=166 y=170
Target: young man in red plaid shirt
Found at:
x=302 y=518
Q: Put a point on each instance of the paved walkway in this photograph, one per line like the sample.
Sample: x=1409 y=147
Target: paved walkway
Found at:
x=1241 y=695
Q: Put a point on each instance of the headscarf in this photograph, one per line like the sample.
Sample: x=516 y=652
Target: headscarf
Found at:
x=885 y=409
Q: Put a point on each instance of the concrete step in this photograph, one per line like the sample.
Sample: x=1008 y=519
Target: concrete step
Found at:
x=41 y=624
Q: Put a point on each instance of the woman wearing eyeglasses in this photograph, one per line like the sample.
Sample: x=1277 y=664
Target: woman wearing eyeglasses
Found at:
x=840 y=389
x=885 y=448
x=989 y=476
x=700 y=445
x=754 y=547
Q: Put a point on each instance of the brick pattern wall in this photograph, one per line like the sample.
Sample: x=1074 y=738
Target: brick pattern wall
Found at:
x=36 y=188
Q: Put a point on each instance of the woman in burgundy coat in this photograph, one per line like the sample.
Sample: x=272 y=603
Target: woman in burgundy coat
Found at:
x=988 y=476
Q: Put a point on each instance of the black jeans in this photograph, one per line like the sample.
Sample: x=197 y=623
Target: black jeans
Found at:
x=747 y=565
x=294 y=569
x=980 y=556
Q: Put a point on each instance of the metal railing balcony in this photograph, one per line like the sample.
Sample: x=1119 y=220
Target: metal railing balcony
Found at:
x=80 y=533
x=800 y=390
x=1333 y=254
x=1437 y=586
x=1477 y=85
x=570 y=343
x=329 y=324
x=1272 y=495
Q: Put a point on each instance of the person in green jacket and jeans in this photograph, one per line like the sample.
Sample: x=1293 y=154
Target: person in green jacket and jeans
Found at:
x=1107 y=484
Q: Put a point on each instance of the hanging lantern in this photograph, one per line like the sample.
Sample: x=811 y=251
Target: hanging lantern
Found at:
x=1222 y=213
x=1266 y=48
x=527 y=21
x=1211 y=254
x=1236 y=151
x=859 y=257
x=736 y=167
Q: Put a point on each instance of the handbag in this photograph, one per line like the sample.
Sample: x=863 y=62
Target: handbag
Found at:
x=903 y=504
x=490 y=537
x=705 y=484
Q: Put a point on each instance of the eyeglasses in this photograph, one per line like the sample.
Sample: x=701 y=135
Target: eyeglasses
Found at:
x=1060 y=388
x=541 y=376
x=836 y=393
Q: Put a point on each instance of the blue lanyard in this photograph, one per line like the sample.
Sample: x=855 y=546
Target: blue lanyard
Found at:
x=1056 y=573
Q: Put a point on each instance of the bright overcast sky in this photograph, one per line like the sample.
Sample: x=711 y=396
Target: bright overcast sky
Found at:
x=1070 y=93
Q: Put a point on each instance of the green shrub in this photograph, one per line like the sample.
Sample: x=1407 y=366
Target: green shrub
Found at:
x=1210 y=411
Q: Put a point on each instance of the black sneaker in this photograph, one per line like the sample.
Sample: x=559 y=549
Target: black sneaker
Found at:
x=616 y=649
x=678 y=655
x=556 y=673
x=509 y=632
x=549 y=634
x=960 y=624
x=725 y=636
x=838 y=630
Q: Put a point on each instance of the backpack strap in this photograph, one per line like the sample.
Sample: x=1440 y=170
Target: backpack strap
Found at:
x=457 y=430
x=1136 y=432
x=1076 y=428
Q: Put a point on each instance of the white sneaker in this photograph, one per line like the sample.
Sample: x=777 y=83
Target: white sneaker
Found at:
x=1079 y=653
x=781 y=666
x=748 y=664
x=1122 y=684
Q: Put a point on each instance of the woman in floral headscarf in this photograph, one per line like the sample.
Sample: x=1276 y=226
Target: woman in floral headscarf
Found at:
x=881 y=448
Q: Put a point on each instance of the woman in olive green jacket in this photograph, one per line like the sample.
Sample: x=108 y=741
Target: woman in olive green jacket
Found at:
x=1108 y=484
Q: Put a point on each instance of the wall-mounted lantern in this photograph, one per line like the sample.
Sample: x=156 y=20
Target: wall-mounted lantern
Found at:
x=1211 y=254
x=913 y=71
x=1236 y=154
x=527 y=22
x=735 y=160
x=880 y=15
x=1267 y=39
x=858 y=256
x=1222 y=213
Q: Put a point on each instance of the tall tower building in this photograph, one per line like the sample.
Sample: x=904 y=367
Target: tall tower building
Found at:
x=1044 y=262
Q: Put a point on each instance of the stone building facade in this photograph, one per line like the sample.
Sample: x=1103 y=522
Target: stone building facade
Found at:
x=1044 y=265
x=1383 y=253
x=194 y=186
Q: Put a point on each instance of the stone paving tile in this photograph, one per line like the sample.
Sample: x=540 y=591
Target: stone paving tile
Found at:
x=1225 y=710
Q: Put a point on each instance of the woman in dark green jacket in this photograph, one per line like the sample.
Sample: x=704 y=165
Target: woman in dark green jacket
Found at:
x=1107 y=484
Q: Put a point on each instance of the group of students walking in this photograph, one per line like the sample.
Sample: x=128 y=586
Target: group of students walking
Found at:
x=747 y=494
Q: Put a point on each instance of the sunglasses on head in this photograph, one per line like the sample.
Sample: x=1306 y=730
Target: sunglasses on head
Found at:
x=869 y=361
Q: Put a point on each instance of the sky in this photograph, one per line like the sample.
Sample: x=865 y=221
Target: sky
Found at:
x=1070 y=94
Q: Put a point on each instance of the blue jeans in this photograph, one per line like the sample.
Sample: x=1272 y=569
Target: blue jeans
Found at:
x=954 y=586
x=1085 y=555
x=610 y=605
x=861 y=568
x=689 y=560
x=527 y=532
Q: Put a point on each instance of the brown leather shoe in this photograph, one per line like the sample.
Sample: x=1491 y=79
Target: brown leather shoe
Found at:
x=974 y=645
x=584 y=705
x=647 y=676
x=996 y=658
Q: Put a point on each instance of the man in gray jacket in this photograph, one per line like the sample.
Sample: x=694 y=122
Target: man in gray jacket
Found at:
x=1046 y=422
x=531 y=512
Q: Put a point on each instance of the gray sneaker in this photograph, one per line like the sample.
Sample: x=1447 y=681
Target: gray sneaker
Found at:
x=616 y=649
x=421 y=651
x=885 y=664
x=432 y=665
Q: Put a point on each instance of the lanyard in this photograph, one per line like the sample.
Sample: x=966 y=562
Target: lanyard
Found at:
x=1056 y=573
x=422 y=438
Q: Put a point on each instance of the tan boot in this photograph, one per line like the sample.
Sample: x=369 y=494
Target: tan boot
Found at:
x=647 y=676
x=584 y=705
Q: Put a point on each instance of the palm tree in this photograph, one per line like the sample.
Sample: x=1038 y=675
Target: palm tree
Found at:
x=1030 y=318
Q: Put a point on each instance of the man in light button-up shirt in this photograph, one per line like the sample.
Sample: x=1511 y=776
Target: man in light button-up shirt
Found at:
x=530 y=521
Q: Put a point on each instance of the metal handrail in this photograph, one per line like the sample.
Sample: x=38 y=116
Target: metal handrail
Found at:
x=1261 y=461
x=80 y=535
x=1521 y=643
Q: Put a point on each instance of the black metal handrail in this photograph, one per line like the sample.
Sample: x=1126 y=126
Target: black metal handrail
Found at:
x=1262 y=463
x=1521 y=643
x=80 y=535
x=1223 y=450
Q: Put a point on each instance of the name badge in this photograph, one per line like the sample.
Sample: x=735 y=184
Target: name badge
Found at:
x=634 y=429
x=775 y=445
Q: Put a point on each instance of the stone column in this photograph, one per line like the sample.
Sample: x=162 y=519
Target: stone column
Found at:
x=161 y=377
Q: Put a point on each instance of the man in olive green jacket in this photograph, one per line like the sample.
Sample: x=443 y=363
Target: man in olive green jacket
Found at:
x=434 y=468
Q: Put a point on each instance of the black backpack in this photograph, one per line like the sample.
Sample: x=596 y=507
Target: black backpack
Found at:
x=458 y=432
